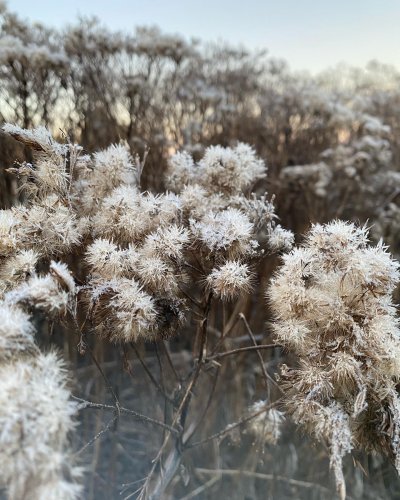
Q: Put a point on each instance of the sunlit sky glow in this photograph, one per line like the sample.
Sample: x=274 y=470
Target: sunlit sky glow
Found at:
x=309 y=34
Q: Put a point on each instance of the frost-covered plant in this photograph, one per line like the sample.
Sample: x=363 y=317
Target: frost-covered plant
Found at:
x=349 y=180
x=147 y=263
x=36 y=413
x=32 y=68
x=152 y=263
x=36 y=417
x=142 y=252
x=386 y=225
x=333 y=309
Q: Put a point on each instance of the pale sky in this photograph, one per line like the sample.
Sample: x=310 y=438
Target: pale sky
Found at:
x=309 y=34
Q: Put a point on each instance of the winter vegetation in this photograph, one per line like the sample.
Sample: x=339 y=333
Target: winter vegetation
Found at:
x=198 y=274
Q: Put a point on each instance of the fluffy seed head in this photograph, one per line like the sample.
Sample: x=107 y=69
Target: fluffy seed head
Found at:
x=230 y=280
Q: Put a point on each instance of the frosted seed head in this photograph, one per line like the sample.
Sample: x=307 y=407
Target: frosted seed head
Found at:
x=230 y=280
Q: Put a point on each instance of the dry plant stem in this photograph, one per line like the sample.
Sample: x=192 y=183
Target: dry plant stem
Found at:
x=192 y=431
x=342 y=206
x=266 y=375
x=189 y=297
x=190 y=266
x=174 y=458
x=151 y=376
x=135 y=414
x=240 y=350
x=202 y=351
x=98 y=435
x=202 y=488
x=214 y=357
x=162 y=377
x=106 y=380
x=231 y=323
x=389 y=199
x=171 y=364
x=231 y=427
x=258 y=475
x=125 y=486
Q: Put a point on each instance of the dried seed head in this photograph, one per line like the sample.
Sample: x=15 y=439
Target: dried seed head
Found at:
x=230 y=280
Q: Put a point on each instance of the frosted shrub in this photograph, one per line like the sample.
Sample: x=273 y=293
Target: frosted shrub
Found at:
x=147 y=263
x=142 y=250
x=180 y=247
x=35 y=418
x=333 y=308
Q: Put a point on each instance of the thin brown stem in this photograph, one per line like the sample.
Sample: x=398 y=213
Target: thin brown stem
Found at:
x=259 y=475
x=171 y=364
x=128 y=411
x=266 y=375
x=240 y=350
x=187 y=437
x=106 y=380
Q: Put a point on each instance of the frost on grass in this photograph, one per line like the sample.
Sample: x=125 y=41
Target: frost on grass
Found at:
x=333 y=308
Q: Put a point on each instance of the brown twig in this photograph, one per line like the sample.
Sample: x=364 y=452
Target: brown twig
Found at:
x=151 y=376
x=106 y=380
x=240 y=350
x=171 y=364
x=266 y=375
x=137 y=415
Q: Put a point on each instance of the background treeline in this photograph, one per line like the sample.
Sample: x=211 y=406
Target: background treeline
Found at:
x=162 y=93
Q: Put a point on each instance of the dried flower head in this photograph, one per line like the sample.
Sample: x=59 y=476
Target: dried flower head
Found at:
x=228 y=232
x=16 y=332
x=52 y=293
x=36 y=417
x=333 y=308
x=230 y=280
x=17 y=269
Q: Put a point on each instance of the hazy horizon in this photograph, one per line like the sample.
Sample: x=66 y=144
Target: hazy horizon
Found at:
x=308 y=35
